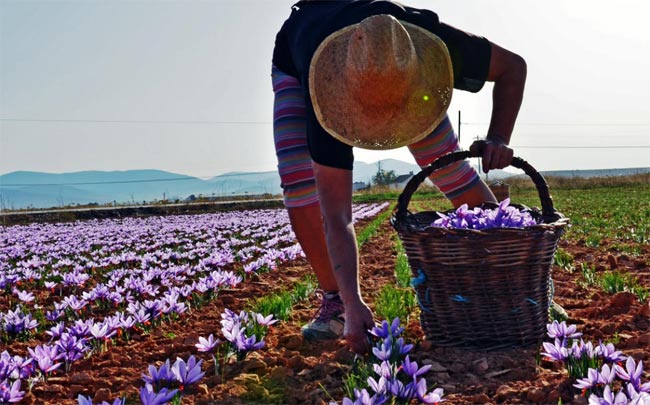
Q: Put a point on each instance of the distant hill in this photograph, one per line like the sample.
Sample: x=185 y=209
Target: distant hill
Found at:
x=596 y=173
x=24 y=189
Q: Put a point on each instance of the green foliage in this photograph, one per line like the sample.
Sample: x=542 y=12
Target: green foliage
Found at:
x=371 y=229
x=395 y=302
x=402 y=268
x=613 y=282
x=279 y=304
x=383 y=177
x=358 y=377
x=564 y=260
x=588 y=274
x=304 y=288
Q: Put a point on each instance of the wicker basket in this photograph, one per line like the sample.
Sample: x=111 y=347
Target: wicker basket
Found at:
x=482 y=289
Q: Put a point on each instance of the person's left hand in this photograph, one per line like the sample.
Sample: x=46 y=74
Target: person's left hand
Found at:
x=358 y=319
x=495 y=154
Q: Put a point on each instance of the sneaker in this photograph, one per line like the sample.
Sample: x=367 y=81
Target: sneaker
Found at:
x=328 y=322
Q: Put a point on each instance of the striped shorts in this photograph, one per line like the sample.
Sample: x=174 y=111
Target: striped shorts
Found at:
x=295 y=163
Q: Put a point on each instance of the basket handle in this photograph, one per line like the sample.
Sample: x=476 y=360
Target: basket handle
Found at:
x=548 y=211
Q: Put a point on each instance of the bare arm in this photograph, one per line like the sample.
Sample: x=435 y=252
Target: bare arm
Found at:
x=508 y=72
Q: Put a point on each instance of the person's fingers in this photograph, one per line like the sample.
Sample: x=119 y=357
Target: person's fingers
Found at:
x=358 y=344
x=488 y=152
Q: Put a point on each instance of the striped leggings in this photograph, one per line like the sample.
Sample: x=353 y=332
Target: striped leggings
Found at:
x=295 y=163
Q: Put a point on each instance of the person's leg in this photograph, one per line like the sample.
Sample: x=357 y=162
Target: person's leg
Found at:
x=458 y=181
x=335 y=191
x=307 y=224
x=302 y=202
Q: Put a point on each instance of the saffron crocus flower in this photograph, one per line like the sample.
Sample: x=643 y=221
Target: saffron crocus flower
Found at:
x=265 y=321
x=159 y=377
x=245 y=344
x=384 y=369
x=555 y=350
x=45 y=356
x=82 y=400
x=560 y=330
x=207 y=345
x=386 y=330
x=432 y=397
x=412 y=370
x=187 y=373
x=378 y=386
x=609 y=398
x=609 y=353
x=632 y=374
x=24 y=296
x=10 y=392
x=362 y=397
x=383 y=352
x=149 y=397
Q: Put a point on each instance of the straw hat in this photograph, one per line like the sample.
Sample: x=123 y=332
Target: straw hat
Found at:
x=381 y=83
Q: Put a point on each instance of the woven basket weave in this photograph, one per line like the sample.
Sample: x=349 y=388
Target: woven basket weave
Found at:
x=483 y=289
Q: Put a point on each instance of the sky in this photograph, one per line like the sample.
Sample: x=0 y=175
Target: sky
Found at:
x=184 y=85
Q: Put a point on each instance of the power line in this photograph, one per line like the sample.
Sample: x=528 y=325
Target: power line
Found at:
x=583 y=147
x=139 y=121
x=565 y=124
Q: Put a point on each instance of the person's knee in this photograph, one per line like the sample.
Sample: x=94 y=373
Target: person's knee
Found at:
x=303 y=194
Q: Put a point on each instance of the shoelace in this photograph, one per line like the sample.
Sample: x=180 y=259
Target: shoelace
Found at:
x=329 y=308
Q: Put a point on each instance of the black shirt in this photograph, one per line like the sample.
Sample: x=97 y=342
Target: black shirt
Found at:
x=311 y=22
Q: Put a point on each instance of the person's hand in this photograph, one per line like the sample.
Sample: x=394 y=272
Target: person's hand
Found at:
x=358 y=319
x=495 y=154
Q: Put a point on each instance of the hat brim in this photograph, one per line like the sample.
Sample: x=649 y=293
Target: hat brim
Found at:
x=343 y=116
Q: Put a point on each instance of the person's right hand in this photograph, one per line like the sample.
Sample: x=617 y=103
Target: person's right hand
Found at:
x=358 y=320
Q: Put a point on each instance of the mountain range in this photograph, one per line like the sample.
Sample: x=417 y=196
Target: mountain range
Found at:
x=23 y=189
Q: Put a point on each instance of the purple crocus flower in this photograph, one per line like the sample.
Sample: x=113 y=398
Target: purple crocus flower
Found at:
x=207 y=345
x=384 y=369
x=53 y=315
x=149 y=397
x=82 y=400
x=362 y=397
x=412 y=370
x=632 y=374
x=609 y=353
x=72 y=347
x=380 y=386
x=401 y=391
x=595 y=378
x=265 y=321
x=158 y=377
x=245 y=343
x=101 y=331
x=187 y=373
x=555 y=350
x=45 y=357
x=10 y=392
x=432 y=397
x=637 y=398
x=383 y=352
x=609 y=398
x=402 y=347
x=386 y=330
x=24 y=296
x=561 y=330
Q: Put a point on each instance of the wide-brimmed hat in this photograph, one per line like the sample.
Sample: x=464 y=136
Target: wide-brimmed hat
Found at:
x=381 y=83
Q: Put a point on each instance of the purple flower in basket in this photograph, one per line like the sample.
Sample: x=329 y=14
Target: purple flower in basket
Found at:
x=505 y=216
